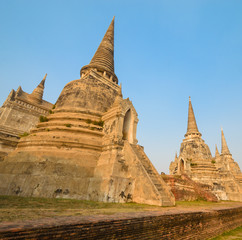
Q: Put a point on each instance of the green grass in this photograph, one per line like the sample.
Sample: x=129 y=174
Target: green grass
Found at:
x=20 y=208
x=194 y=203
x=27 y=202
x=235 y=234
x=205 y=204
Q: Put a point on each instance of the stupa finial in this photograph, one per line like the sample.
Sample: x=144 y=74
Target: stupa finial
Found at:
x=103 y=59
x=191 y=123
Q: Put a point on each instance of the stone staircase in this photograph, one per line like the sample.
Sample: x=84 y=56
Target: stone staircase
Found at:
x=200 y=189
x=160 y=185
x=238 y=177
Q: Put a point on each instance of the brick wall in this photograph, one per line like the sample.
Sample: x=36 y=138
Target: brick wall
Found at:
x=143 y=225
x=185 y=189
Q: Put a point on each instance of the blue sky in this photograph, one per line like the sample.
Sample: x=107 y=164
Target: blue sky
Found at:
x=165 y=51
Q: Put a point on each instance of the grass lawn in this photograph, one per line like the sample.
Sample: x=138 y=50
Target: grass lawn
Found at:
x=235 y=234
x=20 y=208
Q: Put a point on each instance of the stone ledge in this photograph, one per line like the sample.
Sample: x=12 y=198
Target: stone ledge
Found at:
x=172 y=224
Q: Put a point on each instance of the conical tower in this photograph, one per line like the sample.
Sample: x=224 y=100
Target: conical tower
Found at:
x=103 y=59
x=38 y=92
x=225 y=149
x=192 y=130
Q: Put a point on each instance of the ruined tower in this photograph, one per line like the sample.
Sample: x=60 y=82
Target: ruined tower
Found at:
x=19 y=113
x=86 y=148
x=196 y=161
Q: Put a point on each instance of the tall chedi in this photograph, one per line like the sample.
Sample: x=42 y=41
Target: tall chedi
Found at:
x=193 y=149
x=196 y=161
x=86 y=148
x=226 y=162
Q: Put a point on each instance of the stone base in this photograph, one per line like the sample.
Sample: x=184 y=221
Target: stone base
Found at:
x=117 y=174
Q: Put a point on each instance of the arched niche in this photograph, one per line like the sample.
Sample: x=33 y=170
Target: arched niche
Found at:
x=128 y=126
x=182 y=166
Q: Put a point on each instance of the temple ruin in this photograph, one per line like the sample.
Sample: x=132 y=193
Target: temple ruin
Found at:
x=86 y=147
x=220 y=172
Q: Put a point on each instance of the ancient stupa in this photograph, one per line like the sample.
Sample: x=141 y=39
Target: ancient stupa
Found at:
x=86 y=148
x=221 y=172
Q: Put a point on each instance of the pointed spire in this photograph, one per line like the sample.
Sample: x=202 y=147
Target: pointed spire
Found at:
x=216 y=151
x=176 y=157
x=39 y=90
x=191 y=123
x=42 y=83
x=225 y=149
x=19 y=91
x=10 y=97
x=103 y=59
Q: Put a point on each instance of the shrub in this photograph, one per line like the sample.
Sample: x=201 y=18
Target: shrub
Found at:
x=43 y=119
x=25 y=134
x=68 y=125
x=99 y=123
x=53 y=107
x=47 y=129
x=51 y=112
x=193 y=164
x=213 y=161
x=88 y=121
